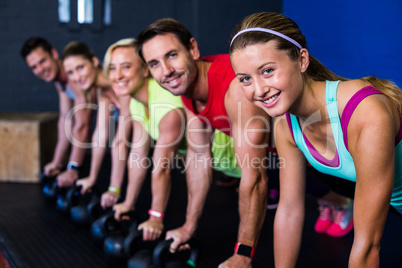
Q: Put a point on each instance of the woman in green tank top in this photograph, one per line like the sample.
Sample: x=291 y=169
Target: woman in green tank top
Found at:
x=158 y=121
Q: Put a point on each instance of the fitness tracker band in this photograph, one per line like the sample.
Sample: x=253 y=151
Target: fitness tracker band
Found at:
x=244 y=250
x=114 y=190
x=73 y=166
x=155 y=213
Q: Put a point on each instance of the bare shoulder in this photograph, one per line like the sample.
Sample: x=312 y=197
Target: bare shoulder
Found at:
x=173 y=120
x=250 y=122
x=123 y=100
x=236 y=101
x=375 y=103
x=75 y=88
x=375 y=115
x=353 y=85
x=282 y=130
x=346 y=90
x=58 y=88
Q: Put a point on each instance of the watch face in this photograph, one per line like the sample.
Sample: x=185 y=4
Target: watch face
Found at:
x=244 y=250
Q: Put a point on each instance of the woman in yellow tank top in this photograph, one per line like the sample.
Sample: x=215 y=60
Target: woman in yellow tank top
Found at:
x=158 y=121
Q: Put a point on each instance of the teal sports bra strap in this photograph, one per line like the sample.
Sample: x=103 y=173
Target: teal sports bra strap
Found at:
x=332 y=108
x=333 y=113
x=346 y=165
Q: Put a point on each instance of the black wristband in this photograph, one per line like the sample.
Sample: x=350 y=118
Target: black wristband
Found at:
x=73 y=166
x=244 y=250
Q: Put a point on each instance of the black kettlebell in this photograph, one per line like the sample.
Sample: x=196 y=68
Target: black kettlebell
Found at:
x=81 y=214
x=105 y=226
x=102 y=226
x=50 y=189
x=113 y=245
x=162 y=258
x=141 y=259
x=95 y=211
x=71 y=197
x=139 y=251
x=45 y=179
x=46 y=183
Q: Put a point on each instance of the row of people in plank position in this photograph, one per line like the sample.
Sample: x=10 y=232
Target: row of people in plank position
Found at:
x=163 y=88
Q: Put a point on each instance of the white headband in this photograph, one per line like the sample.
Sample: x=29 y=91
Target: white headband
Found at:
x=258 y=29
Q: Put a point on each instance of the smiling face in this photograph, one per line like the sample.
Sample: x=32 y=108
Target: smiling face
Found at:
x=268 y=76
x=43 y=64
x=171 y=63
x=126 y=71
x=81 y=71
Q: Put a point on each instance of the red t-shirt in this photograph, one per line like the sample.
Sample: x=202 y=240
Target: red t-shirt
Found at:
x=220 y=75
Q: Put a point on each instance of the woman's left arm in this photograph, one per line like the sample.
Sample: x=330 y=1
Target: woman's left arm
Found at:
x=371 y=139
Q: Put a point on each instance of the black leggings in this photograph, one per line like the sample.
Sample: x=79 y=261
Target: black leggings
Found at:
x=317 y=183
x=335 y=184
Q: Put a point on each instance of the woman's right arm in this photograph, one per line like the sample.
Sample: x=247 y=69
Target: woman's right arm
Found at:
x=63 y=144
x=99 y=141
x=289 y=217
x=138 y=163
x=121 y=140
x=171 y=132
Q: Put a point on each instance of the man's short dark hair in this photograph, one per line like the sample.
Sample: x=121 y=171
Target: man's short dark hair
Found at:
x=33 y=43
x=161 y=27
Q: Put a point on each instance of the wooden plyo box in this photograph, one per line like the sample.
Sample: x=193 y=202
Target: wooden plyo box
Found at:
x=27 y=142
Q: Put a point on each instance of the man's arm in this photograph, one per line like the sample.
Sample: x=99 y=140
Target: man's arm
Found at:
x=198 y=176
x=251 y=132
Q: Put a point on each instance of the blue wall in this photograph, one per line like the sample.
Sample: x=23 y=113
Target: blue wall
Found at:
x=352 y=38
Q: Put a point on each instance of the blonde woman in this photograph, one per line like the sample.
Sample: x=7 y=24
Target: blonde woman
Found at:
x=158 y=121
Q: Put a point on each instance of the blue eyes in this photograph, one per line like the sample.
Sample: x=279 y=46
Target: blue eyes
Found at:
x=245 y=79
x=123 y=67
x=264 y=73
x=267 y=71
x=152 y=64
